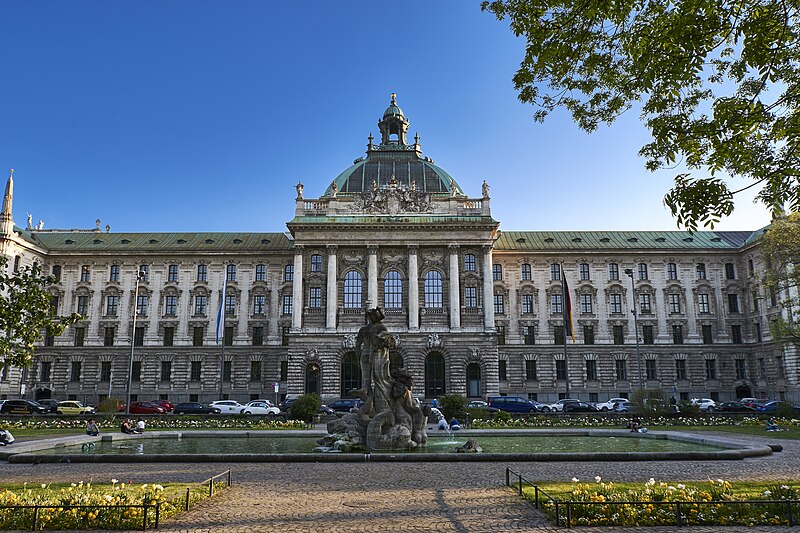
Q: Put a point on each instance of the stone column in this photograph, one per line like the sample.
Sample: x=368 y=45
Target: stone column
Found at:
x=274 y=304
x=413 y=289
x=372 y=276
x=332 y=298
x=297 y=289
x=455 y=305
x=488 y=290
x=513 y=310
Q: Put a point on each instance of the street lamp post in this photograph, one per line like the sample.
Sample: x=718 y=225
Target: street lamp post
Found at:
x=139 y=277
x=629 y=272
x=761 y=342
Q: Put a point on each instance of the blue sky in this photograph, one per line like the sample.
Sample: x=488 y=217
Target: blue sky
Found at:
x=201 y=116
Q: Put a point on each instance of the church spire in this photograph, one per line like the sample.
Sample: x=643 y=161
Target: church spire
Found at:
x=6 y=219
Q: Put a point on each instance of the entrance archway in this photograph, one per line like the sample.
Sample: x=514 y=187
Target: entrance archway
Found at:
x=312 y=378
x=434 y=375
x=474 y=380
x=743 y=391
x=43 y=394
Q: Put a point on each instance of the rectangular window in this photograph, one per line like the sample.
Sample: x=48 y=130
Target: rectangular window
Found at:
x=227 y=336
x=736 y=334
x=615 y=303
x=707 y=336
x=138 y=336
x=555 y=272
x=586 y=303
x=105 y=371
x=315 y=297
x=526 y=272
x=166 y=370
x=258 y=335
x=527 y=304
x=680 y=369
x=762 y=367
x=733 y=303
x=80 y=336
x=672 y=271
x=288 y=273
x=169 y=335
x=226 y=370
x=44 y=371
x=171 y=305
x=591 y=370
x=83 y=306
x=730 y=271
x=75 y=373
x=108 y=336
x=195 y=371
x=561 y=369
x=528 y=335
x=588 y=334
x=613 y=271
x=200 y=304
x=621 y=367
x=259 y=304
x=643 y=271
x=555 y=304
x=202 y=272
x=469 y=263
x=677 y=334
x=261 y=272
x=197 y=335
x=144 y=272
x=57 y=273
x=471 y=297
x=700 y=269
x=741 y=369
x=757 y=327
x=584 y=271
x=86 y=273
x=230 y=272
x=619 y=335
x=647 y=335
x=142 y=302
x=674 y=303
x=502 y=371
x=284 y=374
x=255 y=370
x=230 y=304
x=49 y=340
x=112 y=305
x=497 y=272
x=287 y=304
x=644 y=303
x=501 y=335
x=316 y=263
x=704 y=303
x=711 y=369
x=499 y=304
x=650 y=369
x=172 y=273
x=136 y=372
x=530 y=370
x=558 y=334
x=114 y=273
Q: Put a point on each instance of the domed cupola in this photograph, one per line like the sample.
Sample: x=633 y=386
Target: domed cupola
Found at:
x=394 y=125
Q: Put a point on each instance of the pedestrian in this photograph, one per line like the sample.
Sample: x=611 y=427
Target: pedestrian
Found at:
x=139 y=426
x=91 y=428
x=125 y=427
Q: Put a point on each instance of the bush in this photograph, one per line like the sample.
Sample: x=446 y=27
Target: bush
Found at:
x=651 y=402
x=453 y=406
x=305 y=407
x=502 y=416
x=110 y=407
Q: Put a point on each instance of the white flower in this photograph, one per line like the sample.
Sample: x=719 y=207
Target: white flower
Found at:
x=720 y=481
x=73 y=485
x=574 y=480
x=681 y=486
x=650 y=482
x=44 y=486
x=767 y=492
x=785 y=487
x=597 y=479
x=670 y=488
x=113 y=481
x=107 y=497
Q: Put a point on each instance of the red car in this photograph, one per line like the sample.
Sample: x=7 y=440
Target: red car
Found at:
x=168 y=407
x=145 y=408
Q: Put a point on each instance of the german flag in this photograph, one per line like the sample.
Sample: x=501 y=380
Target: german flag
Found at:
x=567 y=307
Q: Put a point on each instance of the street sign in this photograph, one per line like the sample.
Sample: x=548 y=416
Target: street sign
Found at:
x=276 y=386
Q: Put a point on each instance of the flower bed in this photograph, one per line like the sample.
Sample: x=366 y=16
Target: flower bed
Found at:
x=162 y=422
x=604 y=421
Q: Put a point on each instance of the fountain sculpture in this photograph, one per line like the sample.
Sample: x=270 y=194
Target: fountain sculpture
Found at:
x=390 y=418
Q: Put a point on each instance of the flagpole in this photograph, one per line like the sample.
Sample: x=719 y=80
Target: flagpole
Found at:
x=221 y=329
x=566 y=308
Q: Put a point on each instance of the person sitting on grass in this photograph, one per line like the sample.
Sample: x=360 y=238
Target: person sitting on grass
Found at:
x=455 y=425
x=772 y=425
x=91 y=428
x=6 y=437
x=635 y=424
x=126 y=427
x=139 y=426
x=442 y=424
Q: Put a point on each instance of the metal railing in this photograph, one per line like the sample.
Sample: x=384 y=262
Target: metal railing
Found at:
x=147 y=510
x=563 y=508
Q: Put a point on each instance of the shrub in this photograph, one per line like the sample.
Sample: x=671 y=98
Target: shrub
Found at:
x=305 y=407
x=453 y=406
x=110 y=406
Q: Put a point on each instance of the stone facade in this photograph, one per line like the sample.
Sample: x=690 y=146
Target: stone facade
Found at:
x=395 y=230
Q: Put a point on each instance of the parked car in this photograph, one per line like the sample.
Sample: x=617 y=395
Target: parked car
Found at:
x=752 y=402
x=480 y=404
x=325 y=410
x=71 y=407
x=145 y=408
x=513 y=404
x=609 y=405
x=734 y=407
x=705 y=404
x=774 y=405
x=579 y=407
x=194 y=408
x=625 y=407
x=345 y=405
x=50 y=404
x=259 y=408
x=23 y=407
x=168 y=406
x=228 y=407
x=558 y=406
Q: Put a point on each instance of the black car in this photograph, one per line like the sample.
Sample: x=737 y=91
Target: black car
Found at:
x=345 y=404
x=579 y=407
x=734 y=407
x=194 y=408
x=23 y=407
x=50 y=404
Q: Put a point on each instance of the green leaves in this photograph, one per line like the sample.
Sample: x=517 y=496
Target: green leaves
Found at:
x=719 y=81
x=781 y=248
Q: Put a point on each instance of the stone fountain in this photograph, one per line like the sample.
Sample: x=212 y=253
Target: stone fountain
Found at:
x=391 y=418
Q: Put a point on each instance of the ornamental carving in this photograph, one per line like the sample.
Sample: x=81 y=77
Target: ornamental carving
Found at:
x=312 y=355
x=474 y=356
x=349 y=342
x=435 y=341
x=392 y=200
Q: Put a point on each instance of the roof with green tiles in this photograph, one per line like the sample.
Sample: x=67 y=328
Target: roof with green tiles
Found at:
x=61 y=241
x=620 y=240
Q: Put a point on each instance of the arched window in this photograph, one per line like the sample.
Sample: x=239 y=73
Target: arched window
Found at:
x=433 y=289
x=352 y=289
x=312 y=378
x=393 y=290
x=351 y=374
x=434 y=375
x=395 y=361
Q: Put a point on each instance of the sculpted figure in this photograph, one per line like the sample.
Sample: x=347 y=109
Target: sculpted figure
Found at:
x=485 y=189
x=299 y=189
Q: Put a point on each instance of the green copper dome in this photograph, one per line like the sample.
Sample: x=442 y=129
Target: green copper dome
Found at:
x=393 y=110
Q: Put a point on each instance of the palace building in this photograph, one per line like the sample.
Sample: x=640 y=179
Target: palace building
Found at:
x=475 y=310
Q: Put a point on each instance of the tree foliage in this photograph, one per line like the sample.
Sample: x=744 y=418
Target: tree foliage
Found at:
x=718 y=82
x=25 y=313
x=305 y=407
x=781 y=248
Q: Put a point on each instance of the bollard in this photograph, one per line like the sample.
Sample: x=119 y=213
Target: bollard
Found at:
x=158 y=513
x=789 y=513
x=569 y=514
x=187 y=498
x=520 y=484
x=678 y=512
x=536 y=496
x=508 y=474
x=229 y=478
x=558 y=517
x=144 y=518
x=35 y=518
x=211 y=487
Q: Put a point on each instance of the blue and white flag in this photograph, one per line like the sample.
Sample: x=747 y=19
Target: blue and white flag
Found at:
x=221 y=313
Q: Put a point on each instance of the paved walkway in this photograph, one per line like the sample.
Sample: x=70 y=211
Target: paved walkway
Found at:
x=385 y=497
